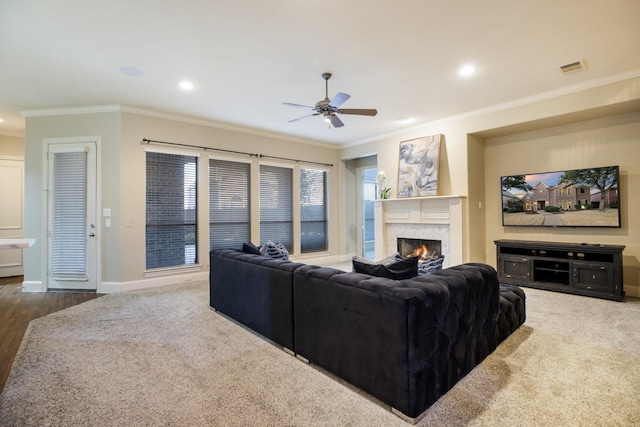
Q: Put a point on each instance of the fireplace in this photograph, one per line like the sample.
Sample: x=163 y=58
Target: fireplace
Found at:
x=426 y=218
x=423 y=248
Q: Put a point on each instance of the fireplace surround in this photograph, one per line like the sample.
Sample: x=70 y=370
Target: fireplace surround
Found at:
x=429 y=218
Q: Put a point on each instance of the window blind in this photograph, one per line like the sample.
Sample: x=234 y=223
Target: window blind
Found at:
x=229 y=204
x=171 y=210
x=276 y=205
x=68 y=240
x=313 y=210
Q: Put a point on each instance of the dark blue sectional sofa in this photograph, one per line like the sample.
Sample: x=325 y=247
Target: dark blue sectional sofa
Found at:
x=405 y=342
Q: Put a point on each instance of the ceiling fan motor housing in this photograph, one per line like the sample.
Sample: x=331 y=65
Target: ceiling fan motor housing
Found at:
x=323 y=106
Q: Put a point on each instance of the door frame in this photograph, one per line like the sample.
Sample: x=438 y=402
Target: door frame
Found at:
x=12 y=260
x=360 y=212
x=47 y=143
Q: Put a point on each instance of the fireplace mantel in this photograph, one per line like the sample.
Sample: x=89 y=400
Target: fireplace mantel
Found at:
x=434 y=217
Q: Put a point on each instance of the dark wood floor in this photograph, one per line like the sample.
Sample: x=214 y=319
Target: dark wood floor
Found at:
x=18 y=308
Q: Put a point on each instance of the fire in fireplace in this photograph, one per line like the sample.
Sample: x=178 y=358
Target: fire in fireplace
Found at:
x=423 y=248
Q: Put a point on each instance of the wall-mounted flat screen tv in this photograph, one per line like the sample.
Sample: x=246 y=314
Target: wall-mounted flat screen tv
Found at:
x=571 y=198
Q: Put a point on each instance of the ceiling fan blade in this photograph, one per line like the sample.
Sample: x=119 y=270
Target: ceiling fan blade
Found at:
x=339 y=99
x=297 y=105
x=304 y=117
x=335 y=121
x=359 y=111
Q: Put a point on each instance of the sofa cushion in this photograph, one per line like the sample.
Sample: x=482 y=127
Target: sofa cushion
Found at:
x=274 y=250
x=398 y=270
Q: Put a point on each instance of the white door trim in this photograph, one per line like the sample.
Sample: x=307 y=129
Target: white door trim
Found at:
x=47 y=143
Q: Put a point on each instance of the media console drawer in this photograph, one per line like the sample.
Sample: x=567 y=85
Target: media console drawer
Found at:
x=582 y=269
x=516 y=267
x=593 y=276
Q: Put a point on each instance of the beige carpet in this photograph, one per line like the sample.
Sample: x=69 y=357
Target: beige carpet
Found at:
x=163 y=358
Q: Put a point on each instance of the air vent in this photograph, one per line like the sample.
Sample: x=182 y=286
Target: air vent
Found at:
x=572 y=66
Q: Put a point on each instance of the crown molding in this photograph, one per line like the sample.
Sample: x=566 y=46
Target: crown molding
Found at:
x=223 y=126
x=71 y=111
x=168 y=116
x=568 y=90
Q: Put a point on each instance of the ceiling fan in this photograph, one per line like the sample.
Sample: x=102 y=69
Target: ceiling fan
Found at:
x=328 y=108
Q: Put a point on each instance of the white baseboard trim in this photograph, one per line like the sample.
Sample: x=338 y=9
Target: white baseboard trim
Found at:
x=33 y=286
x=152 y=282
x=113 y=287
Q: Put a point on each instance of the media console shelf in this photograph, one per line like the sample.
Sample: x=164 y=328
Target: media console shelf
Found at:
x=583 y=269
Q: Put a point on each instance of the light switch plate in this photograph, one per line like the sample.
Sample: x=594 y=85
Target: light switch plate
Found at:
x=106 y=212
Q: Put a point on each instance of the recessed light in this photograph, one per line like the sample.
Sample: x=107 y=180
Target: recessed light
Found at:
x=467 y=70
x=1 y=120
x=131 y=71
x=186 y=85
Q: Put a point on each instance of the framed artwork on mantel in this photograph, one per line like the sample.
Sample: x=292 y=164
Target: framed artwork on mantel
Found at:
x=418 y=167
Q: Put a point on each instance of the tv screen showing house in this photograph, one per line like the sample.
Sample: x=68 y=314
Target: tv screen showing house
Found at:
x=571 y=198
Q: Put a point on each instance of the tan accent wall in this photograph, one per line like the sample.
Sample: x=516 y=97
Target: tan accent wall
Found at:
x=468 y=168
x=11 y=146
x=613 y=140
x=121 y=178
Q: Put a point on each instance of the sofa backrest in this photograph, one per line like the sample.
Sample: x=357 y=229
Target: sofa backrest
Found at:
x=254 y=290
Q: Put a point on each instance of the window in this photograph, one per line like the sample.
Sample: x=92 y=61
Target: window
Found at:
x=229 y=204
x=172 y=201
x=276 y=205
x=313 y=210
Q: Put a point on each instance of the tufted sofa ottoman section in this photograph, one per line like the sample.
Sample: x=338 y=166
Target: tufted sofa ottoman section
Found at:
x=404 y=342
x=512 y=310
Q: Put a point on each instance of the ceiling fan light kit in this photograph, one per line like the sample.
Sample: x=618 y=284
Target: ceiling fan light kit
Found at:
x=329 y=107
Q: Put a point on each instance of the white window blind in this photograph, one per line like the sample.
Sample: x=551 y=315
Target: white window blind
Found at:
x=276 y=205
x=229 y=204
x=171 y=215
x=68 y=239
x=313 y=210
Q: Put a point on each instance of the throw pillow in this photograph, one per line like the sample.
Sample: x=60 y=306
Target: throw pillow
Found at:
x=404 y=269
x=430 y=265
x=274 y=250
x=250 y=248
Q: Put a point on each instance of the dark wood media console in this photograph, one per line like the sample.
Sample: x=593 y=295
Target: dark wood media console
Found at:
x=584 y=269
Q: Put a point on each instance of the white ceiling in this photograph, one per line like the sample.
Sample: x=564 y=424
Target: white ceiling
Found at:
x=247 y=57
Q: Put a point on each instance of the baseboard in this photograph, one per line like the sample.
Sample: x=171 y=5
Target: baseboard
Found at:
x=32 y=286
x=152 y=282
x=632 y=291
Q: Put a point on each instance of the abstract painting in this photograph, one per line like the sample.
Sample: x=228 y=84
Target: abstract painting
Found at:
x=418 y=167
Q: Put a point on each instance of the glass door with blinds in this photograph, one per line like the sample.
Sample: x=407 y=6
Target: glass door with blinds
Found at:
x=367 y=190
x=71 y=211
